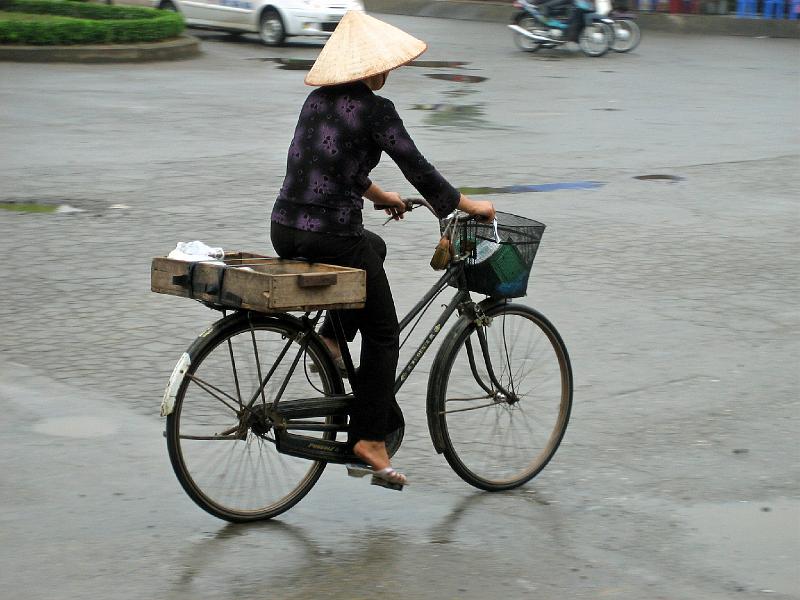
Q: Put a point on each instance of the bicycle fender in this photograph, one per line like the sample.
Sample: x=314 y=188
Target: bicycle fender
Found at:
x=174 y=384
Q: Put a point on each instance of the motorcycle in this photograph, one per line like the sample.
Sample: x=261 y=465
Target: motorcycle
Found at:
x=534 y=30
x=626 y=32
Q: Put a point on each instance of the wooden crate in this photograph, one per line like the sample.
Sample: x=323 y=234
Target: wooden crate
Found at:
x=254 y=282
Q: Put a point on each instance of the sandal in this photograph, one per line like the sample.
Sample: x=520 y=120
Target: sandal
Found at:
x=388 y=477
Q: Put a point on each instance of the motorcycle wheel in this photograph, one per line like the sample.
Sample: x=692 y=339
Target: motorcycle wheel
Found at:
x=626 y=35
x=528 y=23
x=594 y=39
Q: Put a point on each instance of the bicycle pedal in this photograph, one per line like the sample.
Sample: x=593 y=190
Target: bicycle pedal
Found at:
x=387 y=484
x=358 y=470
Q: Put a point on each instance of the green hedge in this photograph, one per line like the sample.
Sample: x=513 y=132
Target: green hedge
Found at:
x=84 y=23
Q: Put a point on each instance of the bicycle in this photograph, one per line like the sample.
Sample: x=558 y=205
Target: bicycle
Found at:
x=251 y=424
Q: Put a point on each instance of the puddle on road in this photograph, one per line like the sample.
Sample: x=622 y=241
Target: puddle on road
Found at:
x=460 y=92
x=304 y=64
x=295 y=64
x=757 y=542
x=292 y=64
x=457 y=77
x=458 y=115
x=288 y=64
x=438 y=64
x=538 y=187
x=668 y=178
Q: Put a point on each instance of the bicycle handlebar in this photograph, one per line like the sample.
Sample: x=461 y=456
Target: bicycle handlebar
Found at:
x=410 y=204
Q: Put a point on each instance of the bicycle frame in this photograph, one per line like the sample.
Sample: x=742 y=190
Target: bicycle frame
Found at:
x=336 y=406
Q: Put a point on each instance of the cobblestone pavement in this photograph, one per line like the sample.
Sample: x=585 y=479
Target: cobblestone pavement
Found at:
x=677 y=299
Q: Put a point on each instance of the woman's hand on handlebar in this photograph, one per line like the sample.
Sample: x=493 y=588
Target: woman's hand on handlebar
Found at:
x=393 y=205
x=391 y=202
x=483 y=209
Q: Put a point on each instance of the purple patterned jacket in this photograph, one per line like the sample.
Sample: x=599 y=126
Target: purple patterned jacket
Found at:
x=340 y=135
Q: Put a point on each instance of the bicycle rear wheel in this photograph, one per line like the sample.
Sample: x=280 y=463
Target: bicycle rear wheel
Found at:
x=224 y=453
x=499 y=421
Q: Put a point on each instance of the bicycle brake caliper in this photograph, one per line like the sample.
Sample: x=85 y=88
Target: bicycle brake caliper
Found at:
x=481 y=319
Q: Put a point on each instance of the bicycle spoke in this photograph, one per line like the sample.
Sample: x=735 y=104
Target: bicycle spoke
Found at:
x=210 y=437
x=207 y=387
x=484 y=397
x=224 y=435
x=258 y=363
x=269 y=375
x=445 y=412
x=235 y=374
x=507 y=361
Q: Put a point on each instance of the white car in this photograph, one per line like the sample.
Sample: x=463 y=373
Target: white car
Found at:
x=273 y=20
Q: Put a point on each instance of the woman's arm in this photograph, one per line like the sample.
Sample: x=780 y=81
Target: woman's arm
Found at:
x=480 y=208
x=391 y=136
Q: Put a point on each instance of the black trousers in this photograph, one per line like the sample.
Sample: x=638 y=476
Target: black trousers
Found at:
x=377 y=413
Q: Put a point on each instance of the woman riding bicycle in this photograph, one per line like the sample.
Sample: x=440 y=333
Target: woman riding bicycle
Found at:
x=342 y=130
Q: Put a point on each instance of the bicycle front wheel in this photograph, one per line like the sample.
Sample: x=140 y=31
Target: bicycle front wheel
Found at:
x=223 y=452
x=501 y=397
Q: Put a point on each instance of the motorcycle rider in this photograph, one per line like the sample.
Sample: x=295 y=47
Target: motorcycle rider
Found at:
x=571 y=15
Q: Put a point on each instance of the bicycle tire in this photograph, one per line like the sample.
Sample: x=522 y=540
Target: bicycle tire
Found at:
x=242 y=479
x=480 y=429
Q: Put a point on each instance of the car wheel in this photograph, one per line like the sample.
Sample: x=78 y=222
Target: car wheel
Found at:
x=271 y=31
x=167 y=5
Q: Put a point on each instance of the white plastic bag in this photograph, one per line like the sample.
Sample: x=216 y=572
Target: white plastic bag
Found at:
x=197 y=251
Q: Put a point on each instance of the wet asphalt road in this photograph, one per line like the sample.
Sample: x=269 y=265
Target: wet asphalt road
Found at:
x=678 y=477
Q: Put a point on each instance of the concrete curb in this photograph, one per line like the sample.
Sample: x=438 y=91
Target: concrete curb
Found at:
x=182 y=47
x=500 y=12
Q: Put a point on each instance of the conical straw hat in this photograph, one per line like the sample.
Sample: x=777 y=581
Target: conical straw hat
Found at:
x=362 y=46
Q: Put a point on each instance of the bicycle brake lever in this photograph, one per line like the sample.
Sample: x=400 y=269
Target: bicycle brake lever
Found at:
x=426 y=204
x=409 y=203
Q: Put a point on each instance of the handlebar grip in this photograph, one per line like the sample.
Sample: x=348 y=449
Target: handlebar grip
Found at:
x=409 y=205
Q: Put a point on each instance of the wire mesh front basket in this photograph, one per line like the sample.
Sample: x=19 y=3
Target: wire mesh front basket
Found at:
x=499 y=256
